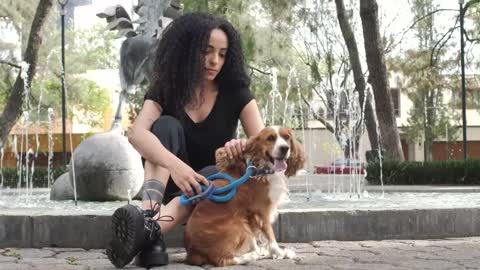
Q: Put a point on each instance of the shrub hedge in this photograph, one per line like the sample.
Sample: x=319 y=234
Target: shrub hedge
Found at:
x=453 y=172
x=40 y=175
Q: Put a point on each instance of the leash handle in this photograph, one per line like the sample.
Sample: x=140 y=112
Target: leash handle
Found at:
x=210 y=192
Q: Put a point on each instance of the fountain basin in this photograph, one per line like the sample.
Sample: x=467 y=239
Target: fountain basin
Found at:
x=401 y=212
x=55 y=228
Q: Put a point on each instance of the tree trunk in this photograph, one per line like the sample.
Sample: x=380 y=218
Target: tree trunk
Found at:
x=351 y=44
x=390 y=139
x=13 y=108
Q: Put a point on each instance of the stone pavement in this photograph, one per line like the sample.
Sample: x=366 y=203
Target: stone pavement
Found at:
x=453 y=253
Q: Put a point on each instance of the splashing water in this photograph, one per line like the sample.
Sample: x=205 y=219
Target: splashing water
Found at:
x=275 y=95
x=380 y=158
x=37 y=139
x=50 y=147
x=1 y=166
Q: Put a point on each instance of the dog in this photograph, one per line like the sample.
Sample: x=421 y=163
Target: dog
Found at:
x=223 y=234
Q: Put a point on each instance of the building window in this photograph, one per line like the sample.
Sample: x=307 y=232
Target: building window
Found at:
x=395 y=93
x=472 y=98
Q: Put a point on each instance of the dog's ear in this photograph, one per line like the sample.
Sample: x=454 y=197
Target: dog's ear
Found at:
x=221 y=160
x=296 y=161
x=253 y=149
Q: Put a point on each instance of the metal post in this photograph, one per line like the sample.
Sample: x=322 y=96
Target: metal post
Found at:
x=462 y=59
x=63 y=3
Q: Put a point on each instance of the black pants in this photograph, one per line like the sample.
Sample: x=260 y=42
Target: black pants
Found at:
x=170 y=133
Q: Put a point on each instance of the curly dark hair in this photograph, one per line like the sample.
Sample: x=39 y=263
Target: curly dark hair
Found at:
x=180 y=57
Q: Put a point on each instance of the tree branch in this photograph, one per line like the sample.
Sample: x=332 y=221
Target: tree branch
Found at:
x=322 y=120
x=259 y=71
x=420 y=19
x=10 y=64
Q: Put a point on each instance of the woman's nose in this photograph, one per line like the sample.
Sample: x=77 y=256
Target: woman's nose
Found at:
x=214 y=59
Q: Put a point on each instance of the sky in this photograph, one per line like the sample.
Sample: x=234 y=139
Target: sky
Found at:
x=396 y=17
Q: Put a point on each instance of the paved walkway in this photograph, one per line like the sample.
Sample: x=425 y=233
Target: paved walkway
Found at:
x=457 y=253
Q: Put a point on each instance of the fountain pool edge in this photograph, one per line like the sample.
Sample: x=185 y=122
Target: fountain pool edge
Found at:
x=30 y=229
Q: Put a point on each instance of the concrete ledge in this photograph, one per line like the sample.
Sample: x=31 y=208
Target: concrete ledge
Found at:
x=88 y=231
x=16 y=231
x=93 y=231
x=378 y=224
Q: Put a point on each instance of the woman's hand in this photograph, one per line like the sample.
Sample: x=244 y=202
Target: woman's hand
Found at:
x=235 y=148
x=186 y=178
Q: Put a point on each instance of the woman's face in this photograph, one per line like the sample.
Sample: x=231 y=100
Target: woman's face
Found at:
x=216 y=52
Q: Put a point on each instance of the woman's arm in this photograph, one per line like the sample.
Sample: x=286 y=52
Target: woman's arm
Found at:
x=144 y=141
x=252 y=124
x=251 y=119
x=151 y=149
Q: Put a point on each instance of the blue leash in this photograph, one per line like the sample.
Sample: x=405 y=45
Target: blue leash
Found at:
x=211 y=191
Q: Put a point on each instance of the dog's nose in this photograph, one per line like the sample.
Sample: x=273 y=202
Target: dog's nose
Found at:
x=284 y=149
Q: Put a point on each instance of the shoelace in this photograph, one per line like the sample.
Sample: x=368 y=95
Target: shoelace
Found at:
x=166 y=218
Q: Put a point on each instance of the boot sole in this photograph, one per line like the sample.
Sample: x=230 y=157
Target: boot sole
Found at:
x=127 y=235
x=151 y=258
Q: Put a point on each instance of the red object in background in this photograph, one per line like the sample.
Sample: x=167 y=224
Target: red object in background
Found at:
x=341 y=166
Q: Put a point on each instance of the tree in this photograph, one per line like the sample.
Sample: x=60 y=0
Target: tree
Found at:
x=360 y=84
x=390 y=138
x=330 y=63
x=84 y=51
x=12 y=110
x=426 y=83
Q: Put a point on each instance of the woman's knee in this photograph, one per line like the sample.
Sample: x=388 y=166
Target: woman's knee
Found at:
x=170 y=133
x=165 y=125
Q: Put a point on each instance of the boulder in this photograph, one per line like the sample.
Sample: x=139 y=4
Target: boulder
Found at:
x=106 y=168
x=62 y=188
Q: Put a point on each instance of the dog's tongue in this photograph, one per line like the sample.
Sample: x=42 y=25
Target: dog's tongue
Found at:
x=280 y=165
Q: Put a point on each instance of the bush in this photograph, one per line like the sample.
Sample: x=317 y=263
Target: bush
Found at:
x=454 y=172
x=40 y=175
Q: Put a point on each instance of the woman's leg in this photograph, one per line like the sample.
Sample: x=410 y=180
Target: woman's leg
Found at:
x=170 y=133
x=173 y=208
x=134 y=229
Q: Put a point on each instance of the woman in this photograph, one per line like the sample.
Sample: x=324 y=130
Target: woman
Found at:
x=198 y=93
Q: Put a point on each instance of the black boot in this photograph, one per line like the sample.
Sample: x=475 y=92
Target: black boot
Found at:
x=154 y=253
x=133 y=230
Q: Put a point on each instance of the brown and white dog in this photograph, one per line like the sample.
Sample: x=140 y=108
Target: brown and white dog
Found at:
x=224 y=234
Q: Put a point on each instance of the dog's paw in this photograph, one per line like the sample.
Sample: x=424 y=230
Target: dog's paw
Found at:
x=263 y=251
x=279 y=253
x=289 y=254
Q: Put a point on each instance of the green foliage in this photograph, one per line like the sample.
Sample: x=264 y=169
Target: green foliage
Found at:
x=12 y=252
x=84 y=50
x=72 y=260
x=266 y=28
x=87 y=101
x=40 y=177
x=454 y=172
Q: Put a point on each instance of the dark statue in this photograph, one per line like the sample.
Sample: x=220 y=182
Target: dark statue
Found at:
x=138 y=49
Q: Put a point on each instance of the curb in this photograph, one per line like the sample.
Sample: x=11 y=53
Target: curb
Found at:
x=93 y=231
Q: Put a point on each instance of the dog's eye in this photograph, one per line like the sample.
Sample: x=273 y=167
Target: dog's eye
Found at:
x=286 y=137
x=271 y=138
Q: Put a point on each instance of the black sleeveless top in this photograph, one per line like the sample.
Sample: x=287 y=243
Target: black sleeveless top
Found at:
x=205 y=137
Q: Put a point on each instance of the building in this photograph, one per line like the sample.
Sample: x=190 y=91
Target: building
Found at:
x=323 y=147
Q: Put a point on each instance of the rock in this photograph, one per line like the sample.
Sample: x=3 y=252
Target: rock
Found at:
x=106 y=167
x=62 y=188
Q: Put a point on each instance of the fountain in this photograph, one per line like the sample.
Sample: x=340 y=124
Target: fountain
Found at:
x=340 y=207
x=322 y=207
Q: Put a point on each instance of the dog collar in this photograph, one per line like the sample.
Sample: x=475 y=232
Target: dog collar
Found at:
x=262 y=171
